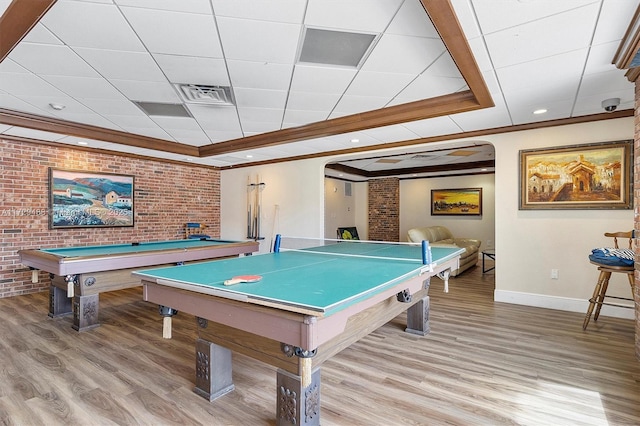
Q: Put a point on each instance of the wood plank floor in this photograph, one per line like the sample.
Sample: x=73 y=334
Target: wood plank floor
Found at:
x=484 y=363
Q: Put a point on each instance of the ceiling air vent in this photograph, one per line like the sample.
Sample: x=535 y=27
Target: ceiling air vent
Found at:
x=209 y=95
x=162 y=109
x=335 y=47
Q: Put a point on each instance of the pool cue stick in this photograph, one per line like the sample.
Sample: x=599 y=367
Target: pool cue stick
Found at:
x=248 y=207
x=257 y=201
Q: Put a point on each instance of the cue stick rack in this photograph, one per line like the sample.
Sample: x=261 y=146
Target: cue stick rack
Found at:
x=254 y=208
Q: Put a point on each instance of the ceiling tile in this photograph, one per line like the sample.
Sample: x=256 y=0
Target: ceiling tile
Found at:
x=82 y=87
x=288 y=11
x=412 y=20
x=212 y=117
x=148 y=91
x=613 y=11
x=499 y=15
x=122 y=65
x=350 y=104
x=193 y=70
x=40 y=34
x=376 y=83
x=262 y=41
x=320 y=102
x=539 y=39
x=185 y=34
x=403 y=54
x=83 y=24
x=357 y=15
x=27 y=84
x=317 y=79
x=50 y=59
x=260 y=98
x=192 y=6
x=260 y=75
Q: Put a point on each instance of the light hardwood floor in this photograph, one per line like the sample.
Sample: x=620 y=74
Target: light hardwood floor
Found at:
x=484 y=363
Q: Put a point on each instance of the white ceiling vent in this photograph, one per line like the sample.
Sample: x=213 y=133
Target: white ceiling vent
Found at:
x=210 y=95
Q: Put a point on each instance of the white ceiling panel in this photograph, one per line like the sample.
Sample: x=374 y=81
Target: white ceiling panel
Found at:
x=320 y=79
x=97 y=57
x=403 y=54
x=148 y=91
x=412 y=20
x=193 y=70
x=122 y=65
x=354 y=15
x=260 y=75
x=287 y=11
x=539 y=39
x=186 y=34
x=49 y=59
x=83 y=87
x=192 y=6
x=27 y=84
x=99 y=26
x=249 y=40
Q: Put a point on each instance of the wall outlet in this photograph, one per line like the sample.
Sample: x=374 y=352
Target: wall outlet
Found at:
x=554 y=274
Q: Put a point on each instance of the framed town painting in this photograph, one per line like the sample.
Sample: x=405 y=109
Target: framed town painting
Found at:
x=79 y=199
x=465 y=201
x=592 y=176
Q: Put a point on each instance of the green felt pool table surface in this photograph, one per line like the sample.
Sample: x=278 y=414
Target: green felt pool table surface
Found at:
x=321 y=279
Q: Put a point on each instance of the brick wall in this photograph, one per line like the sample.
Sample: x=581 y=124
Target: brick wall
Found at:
x=384 y=209
x=166 y=196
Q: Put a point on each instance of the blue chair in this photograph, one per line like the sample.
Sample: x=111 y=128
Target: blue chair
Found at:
x=194 y=231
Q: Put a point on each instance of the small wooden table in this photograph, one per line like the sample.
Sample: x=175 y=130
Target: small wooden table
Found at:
x=491 y=254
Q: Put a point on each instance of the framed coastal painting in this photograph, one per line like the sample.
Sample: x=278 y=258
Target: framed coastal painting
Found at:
x=80 y=199
x=464 y=201
x=590 y=176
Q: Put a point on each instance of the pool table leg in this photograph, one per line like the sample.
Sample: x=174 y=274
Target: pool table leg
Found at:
x=297 y=405
x=418 y=314
x=213 y=370
x=59 y=303
x=85 y=312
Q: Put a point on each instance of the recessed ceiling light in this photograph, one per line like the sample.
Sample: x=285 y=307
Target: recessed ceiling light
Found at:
x=355 y=140
x=57 y=107
x=540 y=111
x=249 y=156
x=83 y=143
x=483 y=170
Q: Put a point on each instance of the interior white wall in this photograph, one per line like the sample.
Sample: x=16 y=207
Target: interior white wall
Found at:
x=292 y=201
x=415 y=207
x=339 y=208
x=528 y=243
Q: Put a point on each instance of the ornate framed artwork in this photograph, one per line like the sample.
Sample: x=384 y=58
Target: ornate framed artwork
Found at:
x=80 y=199
x=464 y=201
x=590 y=176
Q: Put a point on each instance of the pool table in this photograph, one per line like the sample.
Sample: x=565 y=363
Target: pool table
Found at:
x=309 y=305
x=80 y=274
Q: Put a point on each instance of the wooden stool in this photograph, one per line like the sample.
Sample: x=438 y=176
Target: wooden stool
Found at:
x=600 y=292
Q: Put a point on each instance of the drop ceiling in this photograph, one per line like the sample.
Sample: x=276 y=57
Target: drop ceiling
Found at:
x=228 y=83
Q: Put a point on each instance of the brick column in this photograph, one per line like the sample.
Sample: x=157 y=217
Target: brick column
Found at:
x=384 y=209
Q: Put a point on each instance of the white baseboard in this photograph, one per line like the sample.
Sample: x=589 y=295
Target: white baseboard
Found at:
x=560 y=303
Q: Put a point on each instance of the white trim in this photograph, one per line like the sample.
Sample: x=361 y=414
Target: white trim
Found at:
x=560 y=303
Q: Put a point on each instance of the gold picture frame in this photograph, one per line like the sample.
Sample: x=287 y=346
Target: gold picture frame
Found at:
x=588 y=176
x=455 y=202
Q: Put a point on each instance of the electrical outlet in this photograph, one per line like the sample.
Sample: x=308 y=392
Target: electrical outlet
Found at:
x=554 y=274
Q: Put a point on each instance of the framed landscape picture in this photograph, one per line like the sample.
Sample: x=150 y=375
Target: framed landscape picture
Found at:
x=465 y=201
x=79 y=199
x=591 y=176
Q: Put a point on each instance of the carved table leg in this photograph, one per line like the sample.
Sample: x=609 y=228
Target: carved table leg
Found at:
x=213 y=370
x=85 y=312
x=297 y=405
x=59 y=303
